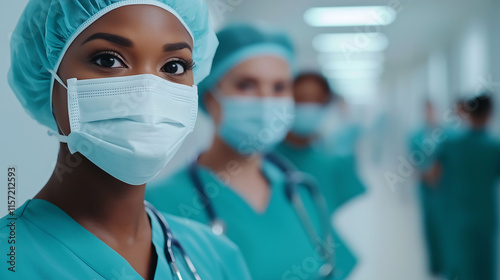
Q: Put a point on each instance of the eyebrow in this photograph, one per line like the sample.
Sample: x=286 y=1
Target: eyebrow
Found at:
x=116 y=39
x=119 y=40
x=177 y=47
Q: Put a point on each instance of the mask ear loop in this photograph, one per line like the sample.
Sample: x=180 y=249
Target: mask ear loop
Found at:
x=61 y=138
x=54 y=74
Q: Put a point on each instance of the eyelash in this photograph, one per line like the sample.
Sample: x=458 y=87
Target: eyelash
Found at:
x=99 y=53
x=186 y=64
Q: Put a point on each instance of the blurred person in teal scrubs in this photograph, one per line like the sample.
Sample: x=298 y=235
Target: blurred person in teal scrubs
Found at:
x=114 y=82
x=313 y=148
x=423 y=142
x=329 y=158
x=467 y=168
x=233 y=185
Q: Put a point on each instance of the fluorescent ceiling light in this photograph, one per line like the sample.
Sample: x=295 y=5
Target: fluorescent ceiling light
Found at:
x=350 y=16
x=348 y=43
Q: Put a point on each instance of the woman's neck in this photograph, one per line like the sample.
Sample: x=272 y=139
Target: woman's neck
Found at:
x=222 y=158
x=95 y=199
x=111 y=210
x=241 y=173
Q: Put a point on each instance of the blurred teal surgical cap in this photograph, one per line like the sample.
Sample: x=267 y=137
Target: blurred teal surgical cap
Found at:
x=48 y=27
x=239 y=42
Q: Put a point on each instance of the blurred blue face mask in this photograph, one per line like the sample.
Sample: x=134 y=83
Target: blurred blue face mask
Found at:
x=253 y=125
x=309 y=118
x=129 y=126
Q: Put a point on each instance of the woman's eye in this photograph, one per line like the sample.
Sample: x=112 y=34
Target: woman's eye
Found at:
x=174 y=67
x=279 y=88
x=108 y=61
x=282 y=88
x=243 y=86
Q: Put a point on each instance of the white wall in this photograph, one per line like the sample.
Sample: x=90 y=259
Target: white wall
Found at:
x=23 y=143
x=437 y=75
x=473 y=56
x=493 y=22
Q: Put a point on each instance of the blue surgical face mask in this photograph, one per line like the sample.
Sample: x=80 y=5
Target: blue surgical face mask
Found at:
x=129 y=126
x=251 y=125
x=309 y=118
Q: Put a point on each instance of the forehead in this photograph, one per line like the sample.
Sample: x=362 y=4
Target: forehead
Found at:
x=145 y=23
x=310 y=90
x=310 y=84
x=265 y=67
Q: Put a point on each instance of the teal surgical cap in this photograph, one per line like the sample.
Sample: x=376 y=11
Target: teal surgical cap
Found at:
x=239 y=42
x=48 y=27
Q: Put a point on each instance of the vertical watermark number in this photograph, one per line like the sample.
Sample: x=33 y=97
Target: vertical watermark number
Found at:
x=11 y=217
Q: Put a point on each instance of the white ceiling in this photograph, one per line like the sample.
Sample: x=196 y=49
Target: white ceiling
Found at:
x=418 y=28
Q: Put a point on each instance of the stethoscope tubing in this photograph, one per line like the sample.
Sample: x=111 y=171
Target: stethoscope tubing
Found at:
x=295 y=178
x=170 y=243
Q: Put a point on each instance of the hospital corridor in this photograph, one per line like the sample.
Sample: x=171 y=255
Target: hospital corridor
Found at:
x=250 y=139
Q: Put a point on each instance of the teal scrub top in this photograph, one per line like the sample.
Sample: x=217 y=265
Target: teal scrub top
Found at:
x=471 y=167
x=470 y=163
x=336 y=173
x=274 y=242
x=49 y=244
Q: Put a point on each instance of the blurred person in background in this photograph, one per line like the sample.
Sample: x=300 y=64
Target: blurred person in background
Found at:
x=468 y=168
x=328 y=156
x=233 y=186
x=423 y=142
x=323 y=140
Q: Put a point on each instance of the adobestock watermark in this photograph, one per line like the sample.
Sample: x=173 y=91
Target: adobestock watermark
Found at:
x=211 y=190
x=275 y=128
x=370 y=34
x=219 y=8
x=122 y=274
x=417 y=158
x=314 y=265
x=120 y=106
x=425 y=149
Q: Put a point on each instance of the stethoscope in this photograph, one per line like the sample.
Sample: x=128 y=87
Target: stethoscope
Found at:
x=294 y=180
x=170 y=243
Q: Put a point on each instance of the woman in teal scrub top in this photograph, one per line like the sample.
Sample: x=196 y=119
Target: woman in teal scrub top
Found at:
x=122 y=102
x=249 y=98
x=329 y=158
x=423 y=141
